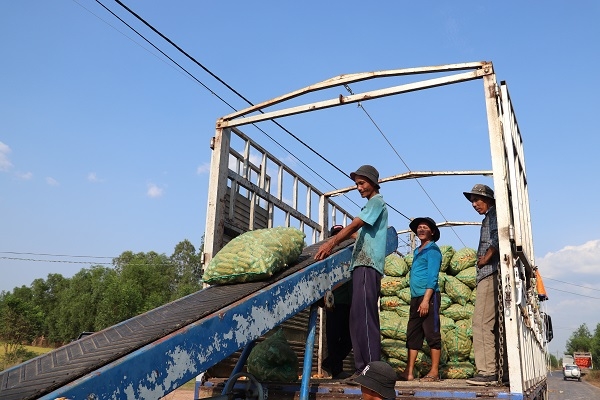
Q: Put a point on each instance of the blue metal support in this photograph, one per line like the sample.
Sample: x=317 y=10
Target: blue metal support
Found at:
x=308 y=352
x=240 y=362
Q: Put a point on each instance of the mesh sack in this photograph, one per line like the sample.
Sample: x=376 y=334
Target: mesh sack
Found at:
x=404 y=295
x=458 y=312
x=390 y=303
x=390 y=285
x=457 y=291
x=462 y=259
x=468 y=276
x=392 y=325
x=457 y=370
x=395 y=265
x=274 y=360
x=409 y=259
x=447 y=254
x=394 y=348
x=255 y=255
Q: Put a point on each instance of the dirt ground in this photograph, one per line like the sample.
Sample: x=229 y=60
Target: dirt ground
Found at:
x=180 y=394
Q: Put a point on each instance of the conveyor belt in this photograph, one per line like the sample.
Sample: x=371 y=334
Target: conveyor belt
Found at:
x=58 y=368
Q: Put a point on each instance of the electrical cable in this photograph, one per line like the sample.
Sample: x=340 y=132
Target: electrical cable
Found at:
x=406 y=165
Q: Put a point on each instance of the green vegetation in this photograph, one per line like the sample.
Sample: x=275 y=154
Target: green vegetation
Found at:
x=58 y=309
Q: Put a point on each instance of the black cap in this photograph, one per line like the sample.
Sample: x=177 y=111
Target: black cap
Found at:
x=380 y=377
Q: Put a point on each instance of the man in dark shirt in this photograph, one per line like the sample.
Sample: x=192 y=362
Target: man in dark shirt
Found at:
x=485 y=315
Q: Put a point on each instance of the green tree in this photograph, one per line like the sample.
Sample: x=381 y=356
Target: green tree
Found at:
x=153 y=275
x=20 y=320
x=553 y=361
x=580 y=340
x=45 y=297
x=78 y=303
x=596 y=346
x=188 y=269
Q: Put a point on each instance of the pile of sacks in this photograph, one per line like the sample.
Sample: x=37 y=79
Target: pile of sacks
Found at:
x=457 y=282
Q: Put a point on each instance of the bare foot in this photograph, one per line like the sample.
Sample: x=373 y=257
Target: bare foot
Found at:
x=405 y=376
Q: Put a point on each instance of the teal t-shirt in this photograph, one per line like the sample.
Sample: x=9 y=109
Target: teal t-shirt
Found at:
x=369 y=248
x=425 y=270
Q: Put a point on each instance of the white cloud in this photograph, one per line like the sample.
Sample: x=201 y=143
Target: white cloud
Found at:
x=5 y=163
x=52 y=182
x=92 y=177
x=202 y=169
x=24 y=175
x=154 y=191
x=573 y=260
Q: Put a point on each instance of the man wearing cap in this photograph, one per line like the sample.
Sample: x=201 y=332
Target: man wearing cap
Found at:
x=366 y=265
x=377 y=381
x=424 y=314
x=485 y=315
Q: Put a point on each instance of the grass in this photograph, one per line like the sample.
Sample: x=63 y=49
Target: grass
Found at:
x=31 y=350
x=593 y=377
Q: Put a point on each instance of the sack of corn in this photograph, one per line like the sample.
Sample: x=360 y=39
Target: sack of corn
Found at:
x=392 y=325
x=255 y=255
x=468 y=276
x=390 y=285
x=447 y=254
x=390 y=303
x=404 y=295
x=274 y=360
x=462 y=259
x=395 y=265
x=458 y=312
x=458 y=291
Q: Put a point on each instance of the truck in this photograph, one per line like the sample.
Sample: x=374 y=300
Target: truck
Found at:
x=246 y=191
x=209 y=334
x=583 y=359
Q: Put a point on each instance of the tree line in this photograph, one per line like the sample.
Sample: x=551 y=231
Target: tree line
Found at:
x=583 y=340
x=57 y=310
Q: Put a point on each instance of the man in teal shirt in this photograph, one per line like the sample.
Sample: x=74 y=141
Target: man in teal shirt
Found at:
x=368 y=260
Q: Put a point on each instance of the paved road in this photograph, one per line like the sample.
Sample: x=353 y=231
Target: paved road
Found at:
x=560 y=389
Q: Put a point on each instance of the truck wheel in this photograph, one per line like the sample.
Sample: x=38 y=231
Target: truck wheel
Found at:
x=565 y=378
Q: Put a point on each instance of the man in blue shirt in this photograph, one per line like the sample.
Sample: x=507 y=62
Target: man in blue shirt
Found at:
x=424 y=314
x=368 y=260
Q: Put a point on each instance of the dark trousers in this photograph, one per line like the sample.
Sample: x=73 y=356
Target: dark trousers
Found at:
x=339 y=343
x=427 y=326
x=364 y=316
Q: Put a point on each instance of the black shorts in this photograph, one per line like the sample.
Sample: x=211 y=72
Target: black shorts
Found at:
x=427 y=327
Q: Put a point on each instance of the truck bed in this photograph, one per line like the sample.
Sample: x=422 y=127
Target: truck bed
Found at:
x=338 y=389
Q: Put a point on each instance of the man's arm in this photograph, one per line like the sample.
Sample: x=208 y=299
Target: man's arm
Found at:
x=326 y=248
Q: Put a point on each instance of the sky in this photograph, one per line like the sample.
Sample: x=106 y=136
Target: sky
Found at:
x=104 y=141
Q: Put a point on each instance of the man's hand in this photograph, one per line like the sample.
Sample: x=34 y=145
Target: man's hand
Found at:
x=423 y=308
x=325 y=250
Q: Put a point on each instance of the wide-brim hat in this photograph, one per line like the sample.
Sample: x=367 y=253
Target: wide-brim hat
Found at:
x=369 y=172
x=430 y=223
x=380 y=377
x=480 y=190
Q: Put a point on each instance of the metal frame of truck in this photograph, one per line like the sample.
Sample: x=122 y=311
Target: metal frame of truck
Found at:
x=250 y=186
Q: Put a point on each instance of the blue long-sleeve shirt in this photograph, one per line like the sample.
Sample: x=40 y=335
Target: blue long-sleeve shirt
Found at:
x=425 y=270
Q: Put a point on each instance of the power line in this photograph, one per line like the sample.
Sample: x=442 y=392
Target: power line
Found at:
x=54 y=261
x=52 y=255
x=576 y=294
x=572 y=284
x=405 y=164
x=230 y=88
